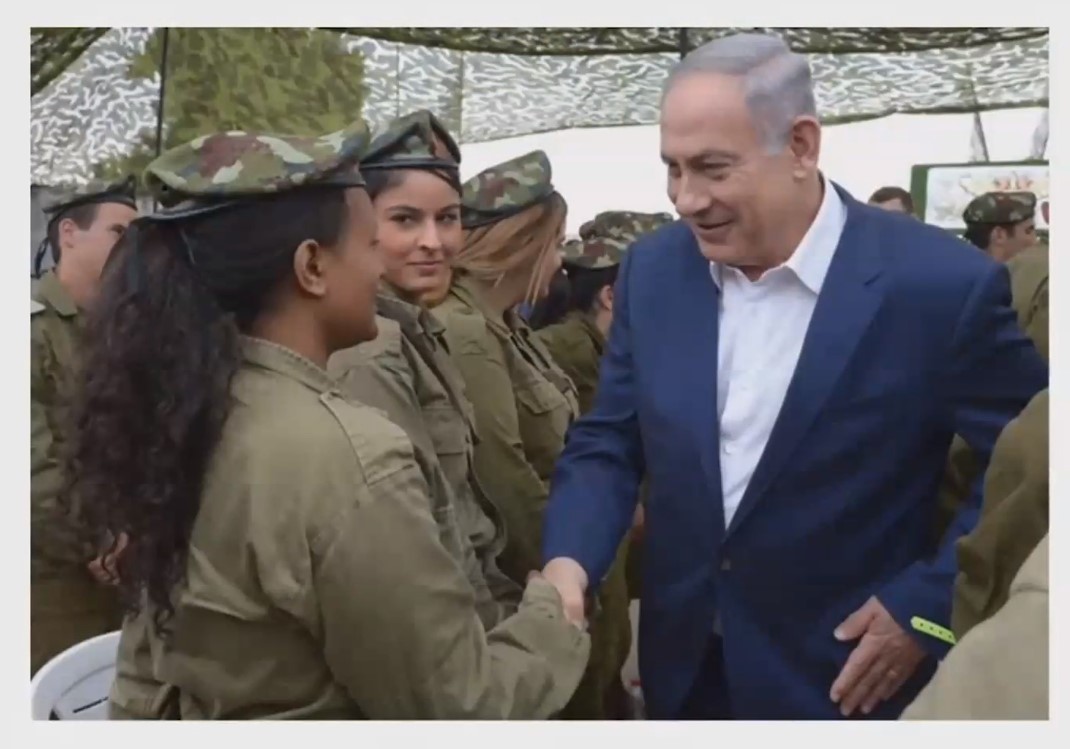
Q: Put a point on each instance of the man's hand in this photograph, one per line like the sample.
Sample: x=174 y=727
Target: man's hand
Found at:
x=880 y=664
x=571 y=582
x=105 y=567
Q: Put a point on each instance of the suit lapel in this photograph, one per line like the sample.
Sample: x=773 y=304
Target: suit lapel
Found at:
x=848 y=300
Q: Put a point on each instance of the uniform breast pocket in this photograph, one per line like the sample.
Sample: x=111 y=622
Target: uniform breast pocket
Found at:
x=543 y=415
x=452 y=442
x=449 y=431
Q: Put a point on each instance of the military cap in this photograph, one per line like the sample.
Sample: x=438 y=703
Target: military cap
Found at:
x=217 y=170
x=123 y=192
x=416 y=140
x=506 y=189
x=1000 y=208
x=605 y=238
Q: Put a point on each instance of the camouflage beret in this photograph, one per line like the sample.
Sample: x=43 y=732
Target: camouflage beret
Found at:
x=506 y=189
x=1000 y=208
x=123 y=192
x=216 y=170
x=605 y=238
x=416 y=140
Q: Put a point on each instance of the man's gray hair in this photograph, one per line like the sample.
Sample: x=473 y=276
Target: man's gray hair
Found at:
x=776 y=81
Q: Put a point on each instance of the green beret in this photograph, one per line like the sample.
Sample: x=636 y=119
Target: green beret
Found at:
x=605 y=238
x=413 y=141
x=506 y=189
x=1000 y=208
x=123 y=192
x=216 y=170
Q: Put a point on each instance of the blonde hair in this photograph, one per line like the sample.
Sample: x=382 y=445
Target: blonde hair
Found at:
x=518 y=242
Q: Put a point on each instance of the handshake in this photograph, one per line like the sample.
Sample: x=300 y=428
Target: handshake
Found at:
x=570 y=581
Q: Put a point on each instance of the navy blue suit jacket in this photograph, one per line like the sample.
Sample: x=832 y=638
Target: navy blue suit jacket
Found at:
x=913 y=339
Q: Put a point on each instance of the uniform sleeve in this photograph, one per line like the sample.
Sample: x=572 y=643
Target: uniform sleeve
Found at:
x=500 y=463
x=399 y=625
x=384 y=380
x=999 y=670
x=45 y=481
x=1036 y=320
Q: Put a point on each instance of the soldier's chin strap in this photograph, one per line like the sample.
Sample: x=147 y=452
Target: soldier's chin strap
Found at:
x=39 y=256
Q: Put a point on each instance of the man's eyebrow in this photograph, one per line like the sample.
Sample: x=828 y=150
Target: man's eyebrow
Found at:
x=709 y=154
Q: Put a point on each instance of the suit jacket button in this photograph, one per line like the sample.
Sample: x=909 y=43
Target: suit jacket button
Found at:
x=726 y=565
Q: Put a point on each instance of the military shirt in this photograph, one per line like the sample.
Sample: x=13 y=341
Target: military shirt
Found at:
x=317 y=586
x=576 y=344
x=67 y=605
x=407 y=372
x=1000 y=669
x=1029 y=298
x=523 y=406
x=1014 y=517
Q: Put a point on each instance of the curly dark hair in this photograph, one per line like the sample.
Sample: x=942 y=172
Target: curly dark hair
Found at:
x=160 y=347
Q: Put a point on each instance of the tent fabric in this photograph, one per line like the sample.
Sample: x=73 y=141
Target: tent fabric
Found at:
x=95 y=92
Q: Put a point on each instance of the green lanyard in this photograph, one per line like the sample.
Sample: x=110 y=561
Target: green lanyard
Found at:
x=933 y=630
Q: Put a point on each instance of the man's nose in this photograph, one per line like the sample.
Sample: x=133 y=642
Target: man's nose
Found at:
x=689 y=199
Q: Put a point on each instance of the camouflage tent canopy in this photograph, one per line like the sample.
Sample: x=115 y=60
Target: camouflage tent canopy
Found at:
x=95 y=91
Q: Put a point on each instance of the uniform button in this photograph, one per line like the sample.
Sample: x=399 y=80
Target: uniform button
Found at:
x=726 y=565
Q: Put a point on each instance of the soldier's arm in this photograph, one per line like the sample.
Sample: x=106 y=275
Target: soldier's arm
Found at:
x=399 y=624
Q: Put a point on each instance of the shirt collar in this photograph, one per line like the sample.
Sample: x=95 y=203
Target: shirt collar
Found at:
x=282 y=360
x=811 y=260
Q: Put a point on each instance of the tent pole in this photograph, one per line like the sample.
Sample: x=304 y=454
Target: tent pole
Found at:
x=164 y=43
x=684 y=45
x=163 y=89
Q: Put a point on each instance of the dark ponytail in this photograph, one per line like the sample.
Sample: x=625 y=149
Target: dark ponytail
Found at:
x=161 y=345
x=574 y=289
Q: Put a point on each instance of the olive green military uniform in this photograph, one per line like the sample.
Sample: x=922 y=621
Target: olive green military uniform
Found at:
x=1029 y=297
x=316 y=583
x=1014 y=517
x=576 y=344
x=67 y=605
x=340 y=600
x=407 y=372
x=524 y=404
x=1000 y=670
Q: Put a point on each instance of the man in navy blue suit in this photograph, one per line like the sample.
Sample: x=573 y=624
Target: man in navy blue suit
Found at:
x=786 y=367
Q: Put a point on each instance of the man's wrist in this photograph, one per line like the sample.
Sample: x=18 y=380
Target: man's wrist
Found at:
x=564 y=569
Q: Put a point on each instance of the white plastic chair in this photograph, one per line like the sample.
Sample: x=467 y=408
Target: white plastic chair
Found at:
x=75 y=684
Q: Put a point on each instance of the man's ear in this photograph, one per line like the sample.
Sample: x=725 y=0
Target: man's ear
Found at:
x=309 y=268
x=65 y=233
x=804 y=142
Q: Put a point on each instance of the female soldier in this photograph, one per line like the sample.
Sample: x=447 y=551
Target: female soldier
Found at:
x=514 y=223
x=283 y=559
x=411 y=171
x=576 y=341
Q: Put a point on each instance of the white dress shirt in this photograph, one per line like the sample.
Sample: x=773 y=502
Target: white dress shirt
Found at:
x=762 y=327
